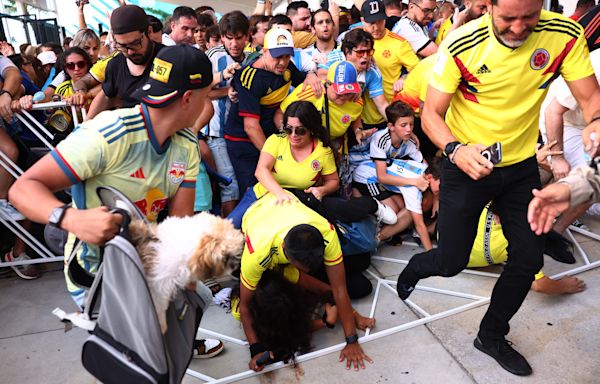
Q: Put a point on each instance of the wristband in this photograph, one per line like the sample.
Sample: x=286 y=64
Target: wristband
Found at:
x=453 y=154
x=256 y=348
x=352 y=339
x=2 y=92
x=324 y=318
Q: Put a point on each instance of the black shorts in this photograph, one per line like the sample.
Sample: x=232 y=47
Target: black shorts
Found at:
x=374 y=190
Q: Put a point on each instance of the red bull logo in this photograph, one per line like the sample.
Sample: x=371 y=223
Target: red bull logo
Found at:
x=152 y=204
x=177 y=172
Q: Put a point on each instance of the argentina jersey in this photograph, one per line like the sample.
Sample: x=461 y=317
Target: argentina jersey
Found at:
x=220 y=59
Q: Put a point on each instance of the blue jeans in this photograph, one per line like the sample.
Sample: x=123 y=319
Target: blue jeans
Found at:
x=238 y=212
x=218 y=147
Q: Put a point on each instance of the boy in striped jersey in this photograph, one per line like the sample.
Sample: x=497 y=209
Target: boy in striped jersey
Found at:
x=225 y=59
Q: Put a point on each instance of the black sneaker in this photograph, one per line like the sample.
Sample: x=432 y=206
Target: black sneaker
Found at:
x=404 y=290
x=503 y=352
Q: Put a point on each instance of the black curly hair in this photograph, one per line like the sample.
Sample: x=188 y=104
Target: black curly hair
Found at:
x=282 y=314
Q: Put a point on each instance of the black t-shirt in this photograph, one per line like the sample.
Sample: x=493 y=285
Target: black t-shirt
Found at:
x=391 y=21
x=119 y=82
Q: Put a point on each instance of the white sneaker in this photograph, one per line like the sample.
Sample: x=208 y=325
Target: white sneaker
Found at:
x=207 y=348
x=7 y=209
x=28 y=271
x=385 y=214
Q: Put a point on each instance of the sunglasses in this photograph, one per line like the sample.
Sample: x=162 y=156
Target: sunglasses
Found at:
x=364 y=52
x=298 y=131
x=79 y=64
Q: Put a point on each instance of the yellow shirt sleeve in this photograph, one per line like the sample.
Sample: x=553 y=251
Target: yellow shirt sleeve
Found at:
x=577 y=64
x=251 y=270
x=98 y=70
x=333 y=250
x=272 y=145
x=328 y=162
x=82 y=155
x=303 y=39
x=445 y=76
x=406 y=55
x=443 y=31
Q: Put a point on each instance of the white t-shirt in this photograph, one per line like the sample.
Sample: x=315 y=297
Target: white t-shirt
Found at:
x=416 y=35
x=5 y=63
x=167 y=40
x=560 y=90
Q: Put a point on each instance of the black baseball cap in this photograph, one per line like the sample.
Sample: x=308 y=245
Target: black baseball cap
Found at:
x=128 y=18
x=175 y=70
x=372 y=11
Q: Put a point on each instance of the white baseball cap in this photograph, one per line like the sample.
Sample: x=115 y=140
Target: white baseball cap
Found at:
x=47 y=57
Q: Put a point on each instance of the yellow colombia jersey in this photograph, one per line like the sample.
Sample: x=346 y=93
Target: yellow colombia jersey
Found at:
x=490 y=245
x=443 y=31
x=65 y=90
x=499 y=90
x=416 y=83
x=119 y=149
x=340 y=116
x=98 y=70
x=392 y=54
x=266 y=224
x=292 y=174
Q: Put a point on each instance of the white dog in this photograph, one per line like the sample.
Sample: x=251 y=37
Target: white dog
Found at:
x=183 y=250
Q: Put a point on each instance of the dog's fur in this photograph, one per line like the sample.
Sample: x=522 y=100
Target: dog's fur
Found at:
x=183 y=250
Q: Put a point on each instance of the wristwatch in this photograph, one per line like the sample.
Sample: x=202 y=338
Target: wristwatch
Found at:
x=57 y=215
x=352 y=339
x=450 y=148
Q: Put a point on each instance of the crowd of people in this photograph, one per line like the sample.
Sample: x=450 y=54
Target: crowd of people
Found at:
x=423 y=119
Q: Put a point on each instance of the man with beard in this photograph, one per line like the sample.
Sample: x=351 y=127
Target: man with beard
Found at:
x=299 y=13
x=413 y=26
x=128 y=70
x=487 y=86
x=183 y=24
x=474 y=10
x=325 y=50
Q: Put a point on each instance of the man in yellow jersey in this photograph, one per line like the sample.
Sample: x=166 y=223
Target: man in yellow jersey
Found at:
x=297 y=241
x=487 y=86
x=392 y=55
x=473 y=10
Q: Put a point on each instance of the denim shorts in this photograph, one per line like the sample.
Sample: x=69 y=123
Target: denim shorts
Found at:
x=218 y=148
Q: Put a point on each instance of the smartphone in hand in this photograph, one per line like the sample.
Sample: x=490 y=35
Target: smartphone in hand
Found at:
x=493 y=153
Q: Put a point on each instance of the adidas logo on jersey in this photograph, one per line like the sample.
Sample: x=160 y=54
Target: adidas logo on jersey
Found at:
x=482 y=70
x=280 y=158
x=139 y=174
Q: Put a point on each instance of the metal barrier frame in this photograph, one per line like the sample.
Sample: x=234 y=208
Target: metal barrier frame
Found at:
x=424 y=319
x=45 y=136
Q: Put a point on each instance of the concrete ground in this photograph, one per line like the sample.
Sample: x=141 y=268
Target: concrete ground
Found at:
x=558 y=335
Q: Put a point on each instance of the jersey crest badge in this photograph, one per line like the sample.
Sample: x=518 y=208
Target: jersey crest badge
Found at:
x=315 y=165
x=386 y=54
x=287 y=75
x=539 y=59
x=176 y=172
x=345 y=119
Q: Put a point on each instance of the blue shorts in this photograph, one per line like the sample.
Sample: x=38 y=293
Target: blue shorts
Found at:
x=203 y=199
x=218 y=147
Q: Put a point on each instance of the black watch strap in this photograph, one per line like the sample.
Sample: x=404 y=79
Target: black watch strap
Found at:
x=58 y=215
x=450 y=147
x=352 y=339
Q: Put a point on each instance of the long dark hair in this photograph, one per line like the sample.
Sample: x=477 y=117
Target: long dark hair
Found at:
x=310 y=118
x=78 y=51
x=282 y=316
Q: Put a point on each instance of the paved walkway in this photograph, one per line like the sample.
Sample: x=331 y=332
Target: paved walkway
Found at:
x=559 y=335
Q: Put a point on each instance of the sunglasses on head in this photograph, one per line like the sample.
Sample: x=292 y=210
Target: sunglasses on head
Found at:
x=298 y=131
x=79 y=64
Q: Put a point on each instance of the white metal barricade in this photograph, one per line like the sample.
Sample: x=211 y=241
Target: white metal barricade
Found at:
x=424 y=317
x=46 y=137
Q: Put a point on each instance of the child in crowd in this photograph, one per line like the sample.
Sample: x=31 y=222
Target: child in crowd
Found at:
x=394 y=175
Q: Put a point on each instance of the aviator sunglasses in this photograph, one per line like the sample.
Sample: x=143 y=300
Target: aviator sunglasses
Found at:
x=298 y=131
x=79 y=64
